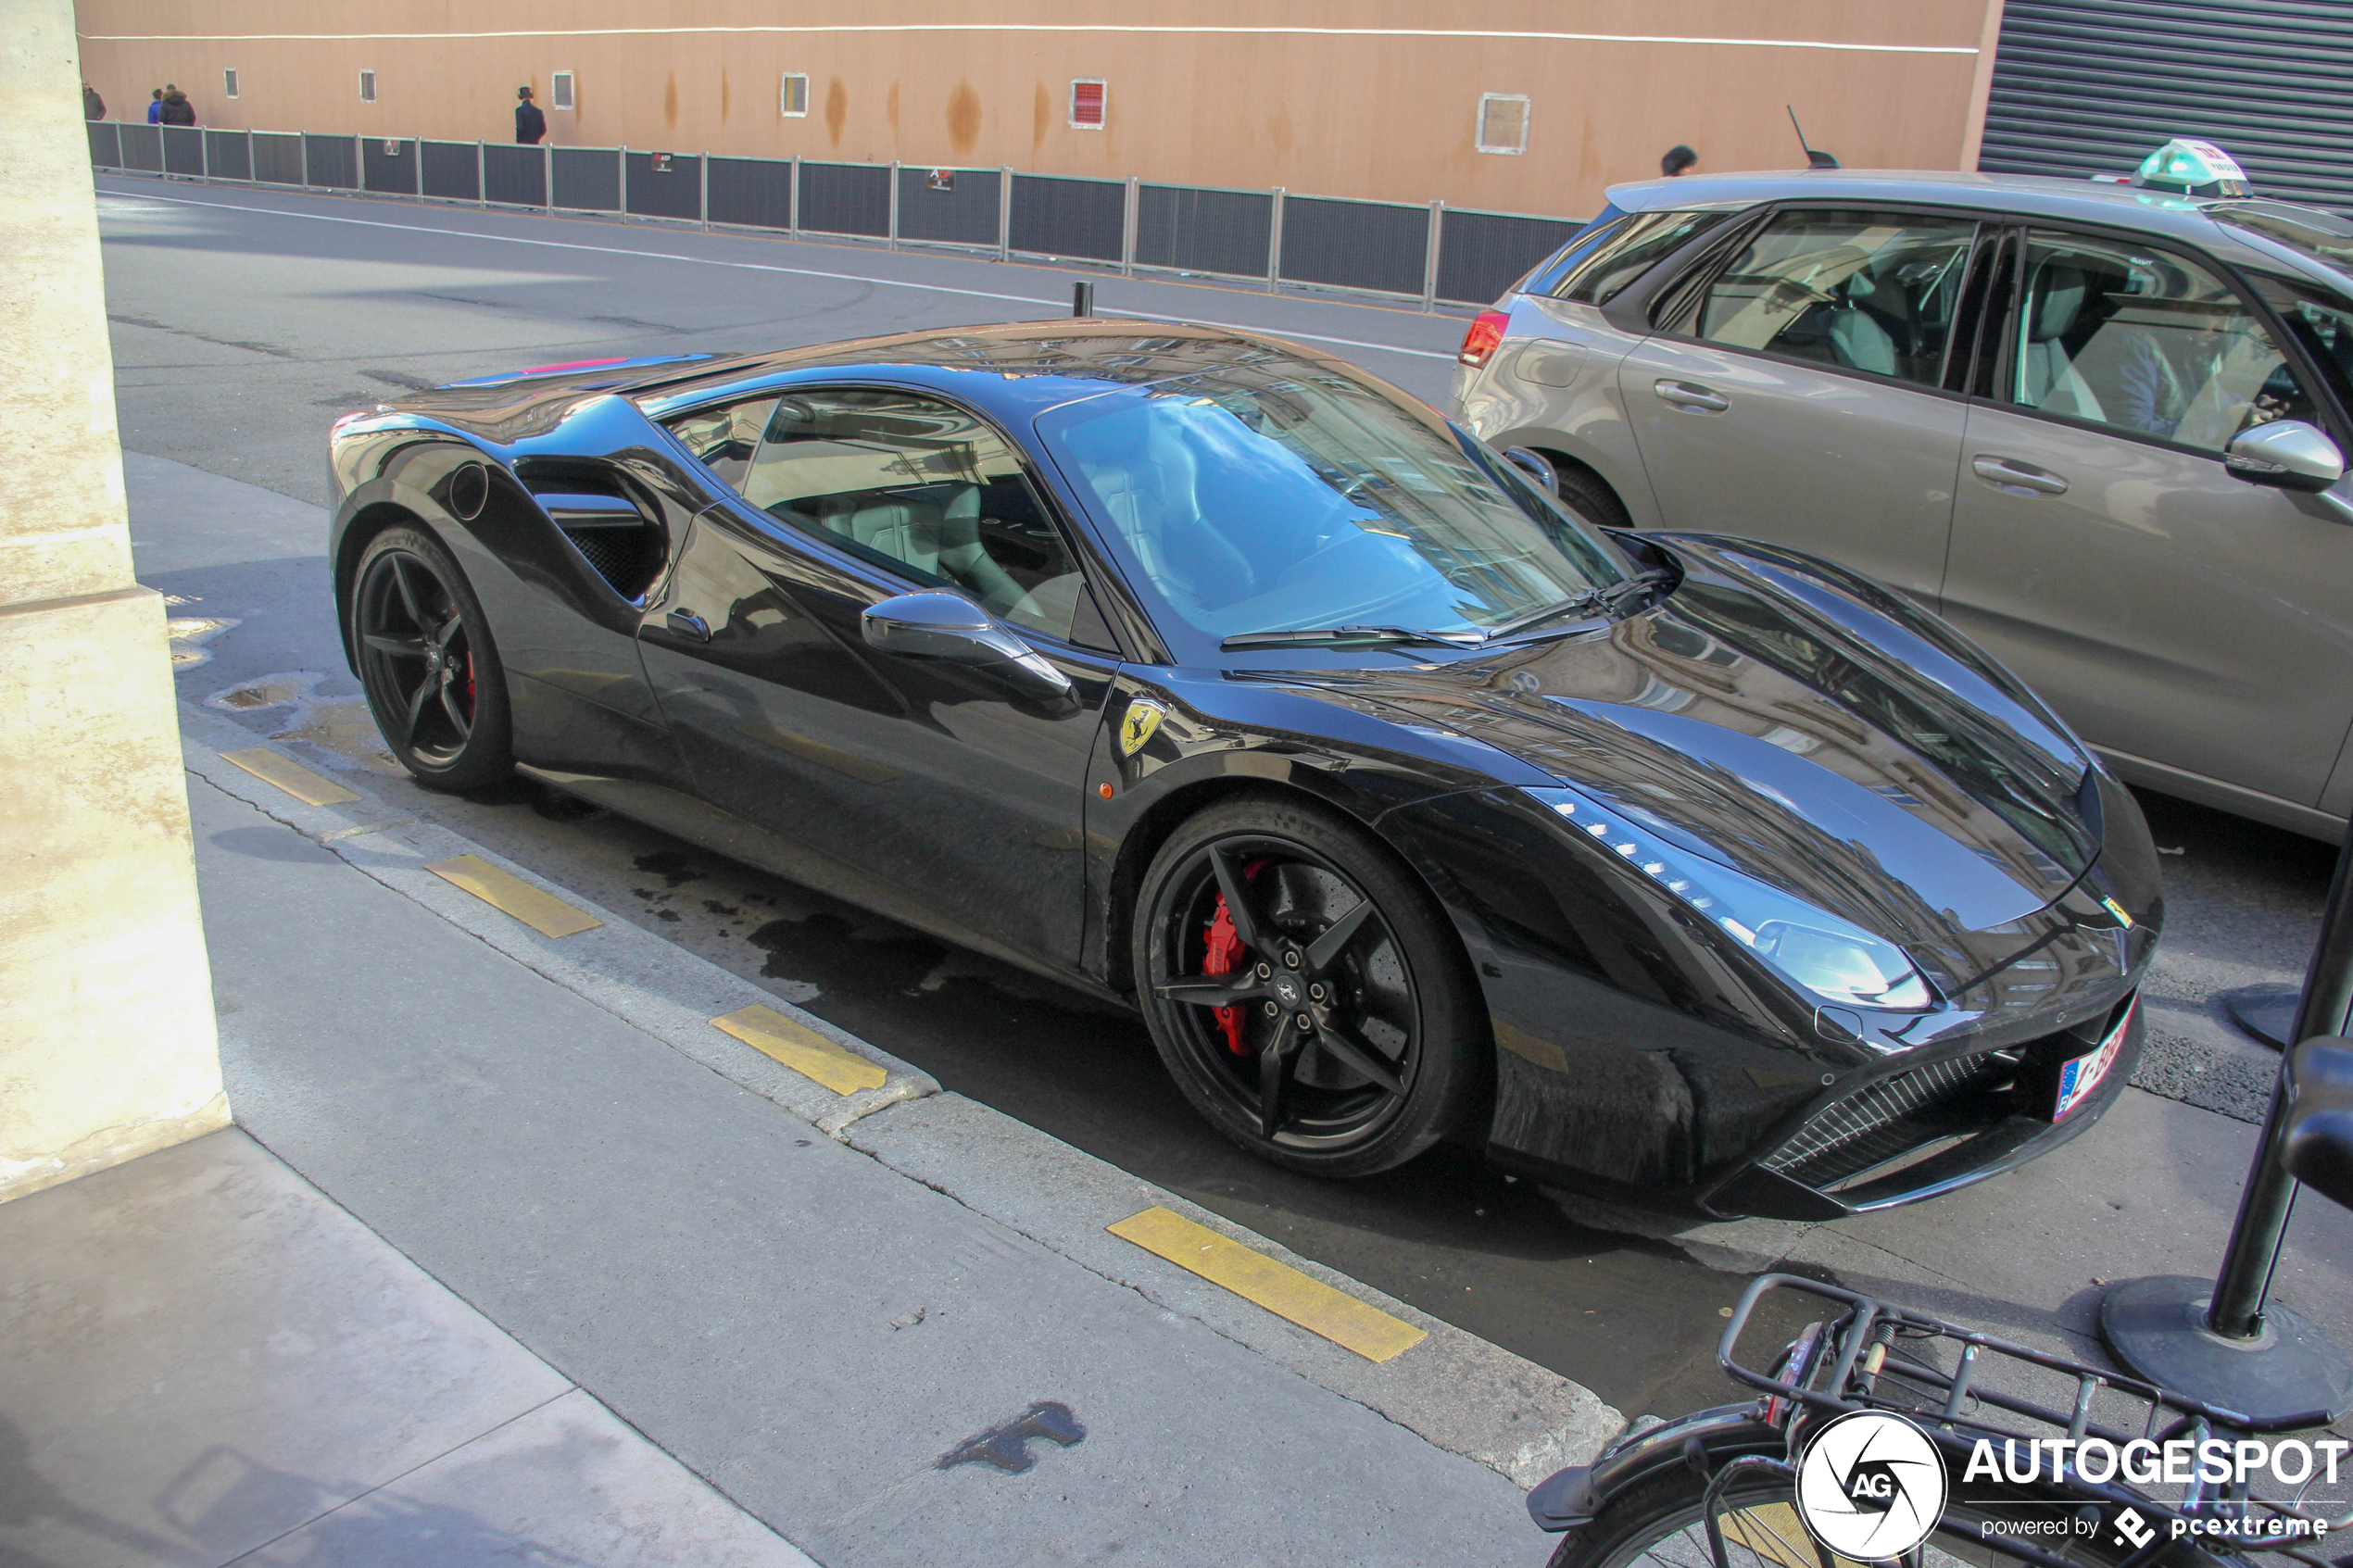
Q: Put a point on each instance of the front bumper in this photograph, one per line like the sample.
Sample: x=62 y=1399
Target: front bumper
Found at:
x=1926 y=1131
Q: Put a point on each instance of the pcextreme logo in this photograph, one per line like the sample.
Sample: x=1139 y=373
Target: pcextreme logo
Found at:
x=1870 y=1485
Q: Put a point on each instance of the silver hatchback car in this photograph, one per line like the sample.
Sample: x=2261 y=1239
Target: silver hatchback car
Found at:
x=2099 y=429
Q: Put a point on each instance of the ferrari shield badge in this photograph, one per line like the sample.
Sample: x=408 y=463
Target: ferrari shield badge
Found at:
x=1140 y=724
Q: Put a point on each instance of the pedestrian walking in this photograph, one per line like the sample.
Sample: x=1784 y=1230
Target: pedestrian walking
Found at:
x=154 y=107
x=1680 y=160
x=93 y=105
x=177 y=110
x=530 y=124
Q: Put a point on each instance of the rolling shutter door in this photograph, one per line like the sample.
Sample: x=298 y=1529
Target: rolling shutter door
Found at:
x=2084 y=87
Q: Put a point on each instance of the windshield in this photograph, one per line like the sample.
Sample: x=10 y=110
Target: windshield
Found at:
x=1312 y=501
x=2322 y=236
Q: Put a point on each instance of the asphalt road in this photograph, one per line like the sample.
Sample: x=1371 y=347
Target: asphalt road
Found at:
x=245 y=321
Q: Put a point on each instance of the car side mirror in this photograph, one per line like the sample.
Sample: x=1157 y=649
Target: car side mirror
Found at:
x=2316 y=1145
x=950 y=627
x=1536 y=467
x=2287 y=453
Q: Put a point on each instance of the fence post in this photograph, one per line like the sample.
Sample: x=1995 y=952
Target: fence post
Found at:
x=1004 y=212
x=894 y=204
x=1275 y=244
x=1429 y=255
x=547 y=177
x=360 y=163
x=621 y=168
x=482 y=176
x=702 y=196
x=253 y=175
x=794 y=205
x=1128 y=234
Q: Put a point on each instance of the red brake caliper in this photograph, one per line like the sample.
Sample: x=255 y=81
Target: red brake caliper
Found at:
x=1226 y=955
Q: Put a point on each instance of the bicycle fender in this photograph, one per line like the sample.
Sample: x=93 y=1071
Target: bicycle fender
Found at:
x=1576 y=1496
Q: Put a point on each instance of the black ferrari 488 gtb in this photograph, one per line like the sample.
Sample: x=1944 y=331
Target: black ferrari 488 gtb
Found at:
x=1209 y=673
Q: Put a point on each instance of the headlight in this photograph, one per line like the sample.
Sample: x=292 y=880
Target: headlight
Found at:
x=1835 y=960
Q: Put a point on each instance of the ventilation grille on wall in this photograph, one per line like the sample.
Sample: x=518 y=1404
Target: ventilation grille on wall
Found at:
x=367 y=86
x=229 y=83
x=560 y=90
x=793 y=100
x=1503 y=123
x=1087 y=100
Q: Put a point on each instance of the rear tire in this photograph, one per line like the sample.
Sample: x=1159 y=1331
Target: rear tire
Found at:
x=427 y=663
x=1335 y=930
x=1657 y=1524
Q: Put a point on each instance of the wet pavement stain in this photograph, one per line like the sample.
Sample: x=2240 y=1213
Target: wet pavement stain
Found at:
x=1007 y=1445
x=676 y=867
x=865 y=954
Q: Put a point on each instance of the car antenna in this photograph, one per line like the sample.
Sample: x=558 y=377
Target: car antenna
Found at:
x=1813 y=159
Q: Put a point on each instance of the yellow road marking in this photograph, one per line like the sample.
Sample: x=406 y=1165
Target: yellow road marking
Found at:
x=271 y=767
x=544 y=912
x=1279 y=1287
x=802 y=1049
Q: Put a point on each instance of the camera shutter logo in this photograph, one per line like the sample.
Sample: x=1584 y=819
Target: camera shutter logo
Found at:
x=1871 y=1485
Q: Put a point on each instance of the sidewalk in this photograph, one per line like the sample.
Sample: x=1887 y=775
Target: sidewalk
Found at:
x=792 y=1317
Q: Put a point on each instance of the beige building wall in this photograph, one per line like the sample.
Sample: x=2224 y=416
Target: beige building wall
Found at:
x=1374 y=99
x=106 y=1045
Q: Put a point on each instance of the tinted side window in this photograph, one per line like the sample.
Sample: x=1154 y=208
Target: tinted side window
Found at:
x=922 y=489
x=2145 y=341
x=724 y=437
x=1863 y=291
x=1627 y=252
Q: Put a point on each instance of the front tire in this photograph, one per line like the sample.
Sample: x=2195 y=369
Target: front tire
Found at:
x=1305 y=991
x=427 y=663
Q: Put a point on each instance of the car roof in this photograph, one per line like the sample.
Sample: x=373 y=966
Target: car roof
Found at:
x=1014 y=369
x=2186 y=218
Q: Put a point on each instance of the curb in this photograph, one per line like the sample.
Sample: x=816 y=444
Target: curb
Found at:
x=1456 y=1391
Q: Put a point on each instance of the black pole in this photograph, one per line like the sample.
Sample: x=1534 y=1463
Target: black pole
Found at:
x=1082 y=299
x=2223 y=1341
x=2244 y=1279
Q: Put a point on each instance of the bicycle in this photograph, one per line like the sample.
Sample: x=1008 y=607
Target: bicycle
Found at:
x=1723 y=1488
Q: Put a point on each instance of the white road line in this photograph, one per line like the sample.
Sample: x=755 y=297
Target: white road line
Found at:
x=764 y=267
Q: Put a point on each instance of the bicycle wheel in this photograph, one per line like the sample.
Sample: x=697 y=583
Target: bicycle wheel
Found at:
x=1659 y=1525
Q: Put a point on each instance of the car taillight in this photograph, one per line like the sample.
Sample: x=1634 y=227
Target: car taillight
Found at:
x=1486 y=332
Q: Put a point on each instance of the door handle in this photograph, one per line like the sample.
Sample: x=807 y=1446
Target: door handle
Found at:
x=686 y=623
x=1690 y=398
x=2018 y=479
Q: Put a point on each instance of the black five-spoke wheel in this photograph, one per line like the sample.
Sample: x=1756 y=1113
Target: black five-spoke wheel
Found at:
x=432 y=676
x=1302 y=990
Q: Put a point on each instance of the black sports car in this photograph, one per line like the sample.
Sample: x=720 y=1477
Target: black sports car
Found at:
x=1210 y=673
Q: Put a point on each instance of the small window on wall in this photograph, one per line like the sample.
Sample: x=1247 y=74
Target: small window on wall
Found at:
x=793 y=100
x=229 y=83
x=560 y=90
x=367 y=86
x=1086 y=105
x=1503 y=122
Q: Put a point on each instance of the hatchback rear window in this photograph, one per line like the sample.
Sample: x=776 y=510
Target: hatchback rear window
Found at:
x=1627 y=252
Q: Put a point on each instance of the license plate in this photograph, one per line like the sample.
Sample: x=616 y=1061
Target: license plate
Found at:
x=2079 y=1077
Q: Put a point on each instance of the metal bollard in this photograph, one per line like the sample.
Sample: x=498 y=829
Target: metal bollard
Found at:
x=1082 y=299
x=2220 y=1340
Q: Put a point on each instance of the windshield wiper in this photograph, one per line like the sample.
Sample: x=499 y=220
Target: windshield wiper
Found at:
x=1312 y=636
x=1575 y=605
x=1613 y=599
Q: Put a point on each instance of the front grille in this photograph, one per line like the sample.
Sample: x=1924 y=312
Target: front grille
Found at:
x=1884 y=1120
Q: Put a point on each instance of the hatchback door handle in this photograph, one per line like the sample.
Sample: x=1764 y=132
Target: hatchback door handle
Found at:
x=686 y=623
x=2018 y=479
x=1690 y=398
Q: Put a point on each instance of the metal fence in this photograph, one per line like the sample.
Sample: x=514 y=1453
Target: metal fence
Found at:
x=1428 y=252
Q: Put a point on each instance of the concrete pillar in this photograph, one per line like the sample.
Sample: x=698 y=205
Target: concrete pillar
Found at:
x=106 y=1045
